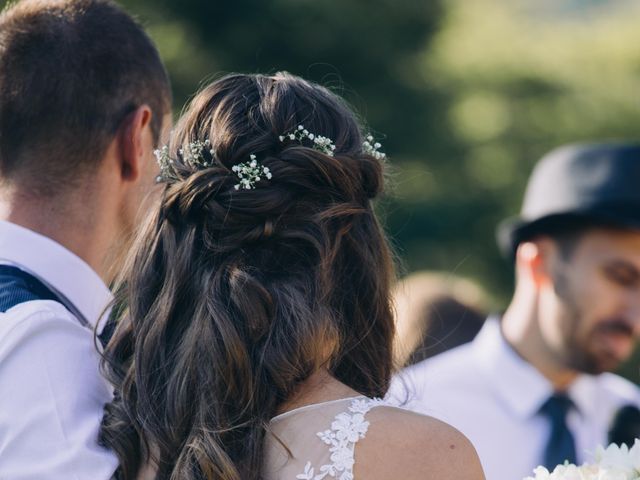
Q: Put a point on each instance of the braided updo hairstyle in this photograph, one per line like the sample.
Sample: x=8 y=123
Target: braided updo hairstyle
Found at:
x=231 y=298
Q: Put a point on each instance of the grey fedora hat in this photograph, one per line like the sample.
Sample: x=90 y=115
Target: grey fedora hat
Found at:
x=583 y=184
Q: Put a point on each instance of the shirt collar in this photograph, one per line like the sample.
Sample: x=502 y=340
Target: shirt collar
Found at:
x=520 y=386
x=584 y=394
x=59 y=268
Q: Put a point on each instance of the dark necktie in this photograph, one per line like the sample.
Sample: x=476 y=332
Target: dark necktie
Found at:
x=561 y=445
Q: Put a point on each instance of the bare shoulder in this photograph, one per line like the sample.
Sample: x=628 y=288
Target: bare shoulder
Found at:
x=408 y=445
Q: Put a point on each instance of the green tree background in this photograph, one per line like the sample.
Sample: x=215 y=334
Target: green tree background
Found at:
x=465 y=94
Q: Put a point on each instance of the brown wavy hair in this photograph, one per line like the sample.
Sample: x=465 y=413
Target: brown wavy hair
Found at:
x=232 y=298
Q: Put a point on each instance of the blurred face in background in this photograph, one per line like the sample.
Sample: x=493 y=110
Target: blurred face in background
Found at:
x=591 y=320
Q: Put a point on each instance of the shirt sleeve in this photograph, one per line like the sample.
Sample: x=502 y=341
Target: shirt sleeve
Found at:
x=51 y=398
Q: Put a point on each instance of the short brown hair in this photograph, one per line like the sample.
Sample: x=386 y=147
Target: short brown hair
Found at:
x=70 y=72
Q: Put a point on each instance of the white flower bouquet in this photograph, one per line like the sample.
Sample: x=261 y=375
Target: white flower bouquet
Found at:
x=612 y=463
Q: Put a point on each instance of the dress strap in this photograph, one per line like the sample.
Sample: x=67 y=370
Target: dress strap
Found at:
x=346 y=430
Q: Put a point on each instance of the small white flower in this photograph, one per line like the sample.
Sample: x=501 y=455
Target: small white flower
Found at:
x=250 y=173
x=165 y=162
x=612 y=463
x=342 y=459
x=327 y=436
x=307 y=474
x=372 y=150
x=194 y=153
x=320 y=143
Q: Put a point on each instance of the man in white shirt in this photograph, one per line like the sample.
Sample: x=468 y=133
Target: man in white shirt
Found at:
x=533 y=388
x=84 y=100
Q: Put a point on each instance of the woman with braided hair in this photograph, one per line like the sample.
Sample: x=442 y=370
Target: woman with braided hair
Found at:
x=255 y=332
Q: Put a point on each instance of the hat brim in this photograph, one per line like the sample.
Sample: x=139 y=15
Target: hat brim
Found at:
x=513 y=231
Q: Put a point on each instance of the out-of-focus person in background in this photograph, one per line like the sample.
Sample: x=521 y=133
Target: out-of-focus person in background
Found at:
x=434 y=313
x=534 y=386
x=84 y=98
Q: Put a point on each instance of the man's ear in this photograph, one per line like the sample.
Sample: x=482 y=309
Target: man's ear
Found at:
x=135 y=139
x=534 y=259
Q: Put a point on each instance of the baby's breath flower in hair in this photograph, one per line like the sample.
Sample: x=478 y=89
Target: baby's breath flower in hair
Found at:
x=165 y=162
x=250 y=173
x=320 y=143
x=194 y=154
x=372 y=148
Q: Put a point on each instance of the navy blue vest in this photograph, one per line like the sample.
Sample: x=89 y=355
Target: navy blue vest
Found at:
x=17 y=286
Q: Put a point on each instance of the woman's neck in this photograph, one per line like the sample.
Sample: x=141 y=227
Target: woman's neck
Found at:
x=319 y=387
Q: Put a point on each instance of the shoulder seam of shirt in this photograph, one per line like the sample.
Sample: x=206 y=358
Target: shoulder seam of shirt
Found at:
x=45 y=314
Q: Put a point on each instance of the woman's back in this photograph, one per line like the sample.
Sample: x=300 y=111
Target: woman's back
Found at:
x=359 y=437
x=318 y=440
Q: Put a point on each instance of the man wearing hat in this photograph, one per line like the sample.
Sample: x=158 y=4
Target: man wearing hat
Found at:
x=534 y=388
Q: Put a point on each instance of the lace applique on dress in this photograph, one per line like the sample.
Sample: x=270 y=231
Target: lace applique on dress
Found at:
x=346 y=430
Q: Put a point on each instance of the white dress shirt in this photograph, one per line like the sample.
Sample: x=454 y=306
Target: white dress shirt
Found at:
x=489 y=393
x=51 y=392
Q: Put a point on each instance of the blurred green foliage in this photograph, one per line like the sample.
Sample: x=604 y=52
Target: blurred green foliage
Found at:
x=521 y=78
x=465 y=95
x=367 y=50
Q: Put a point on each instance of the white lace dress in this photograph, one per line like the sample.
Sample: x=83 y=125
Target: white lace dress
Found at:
x=317 y=442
